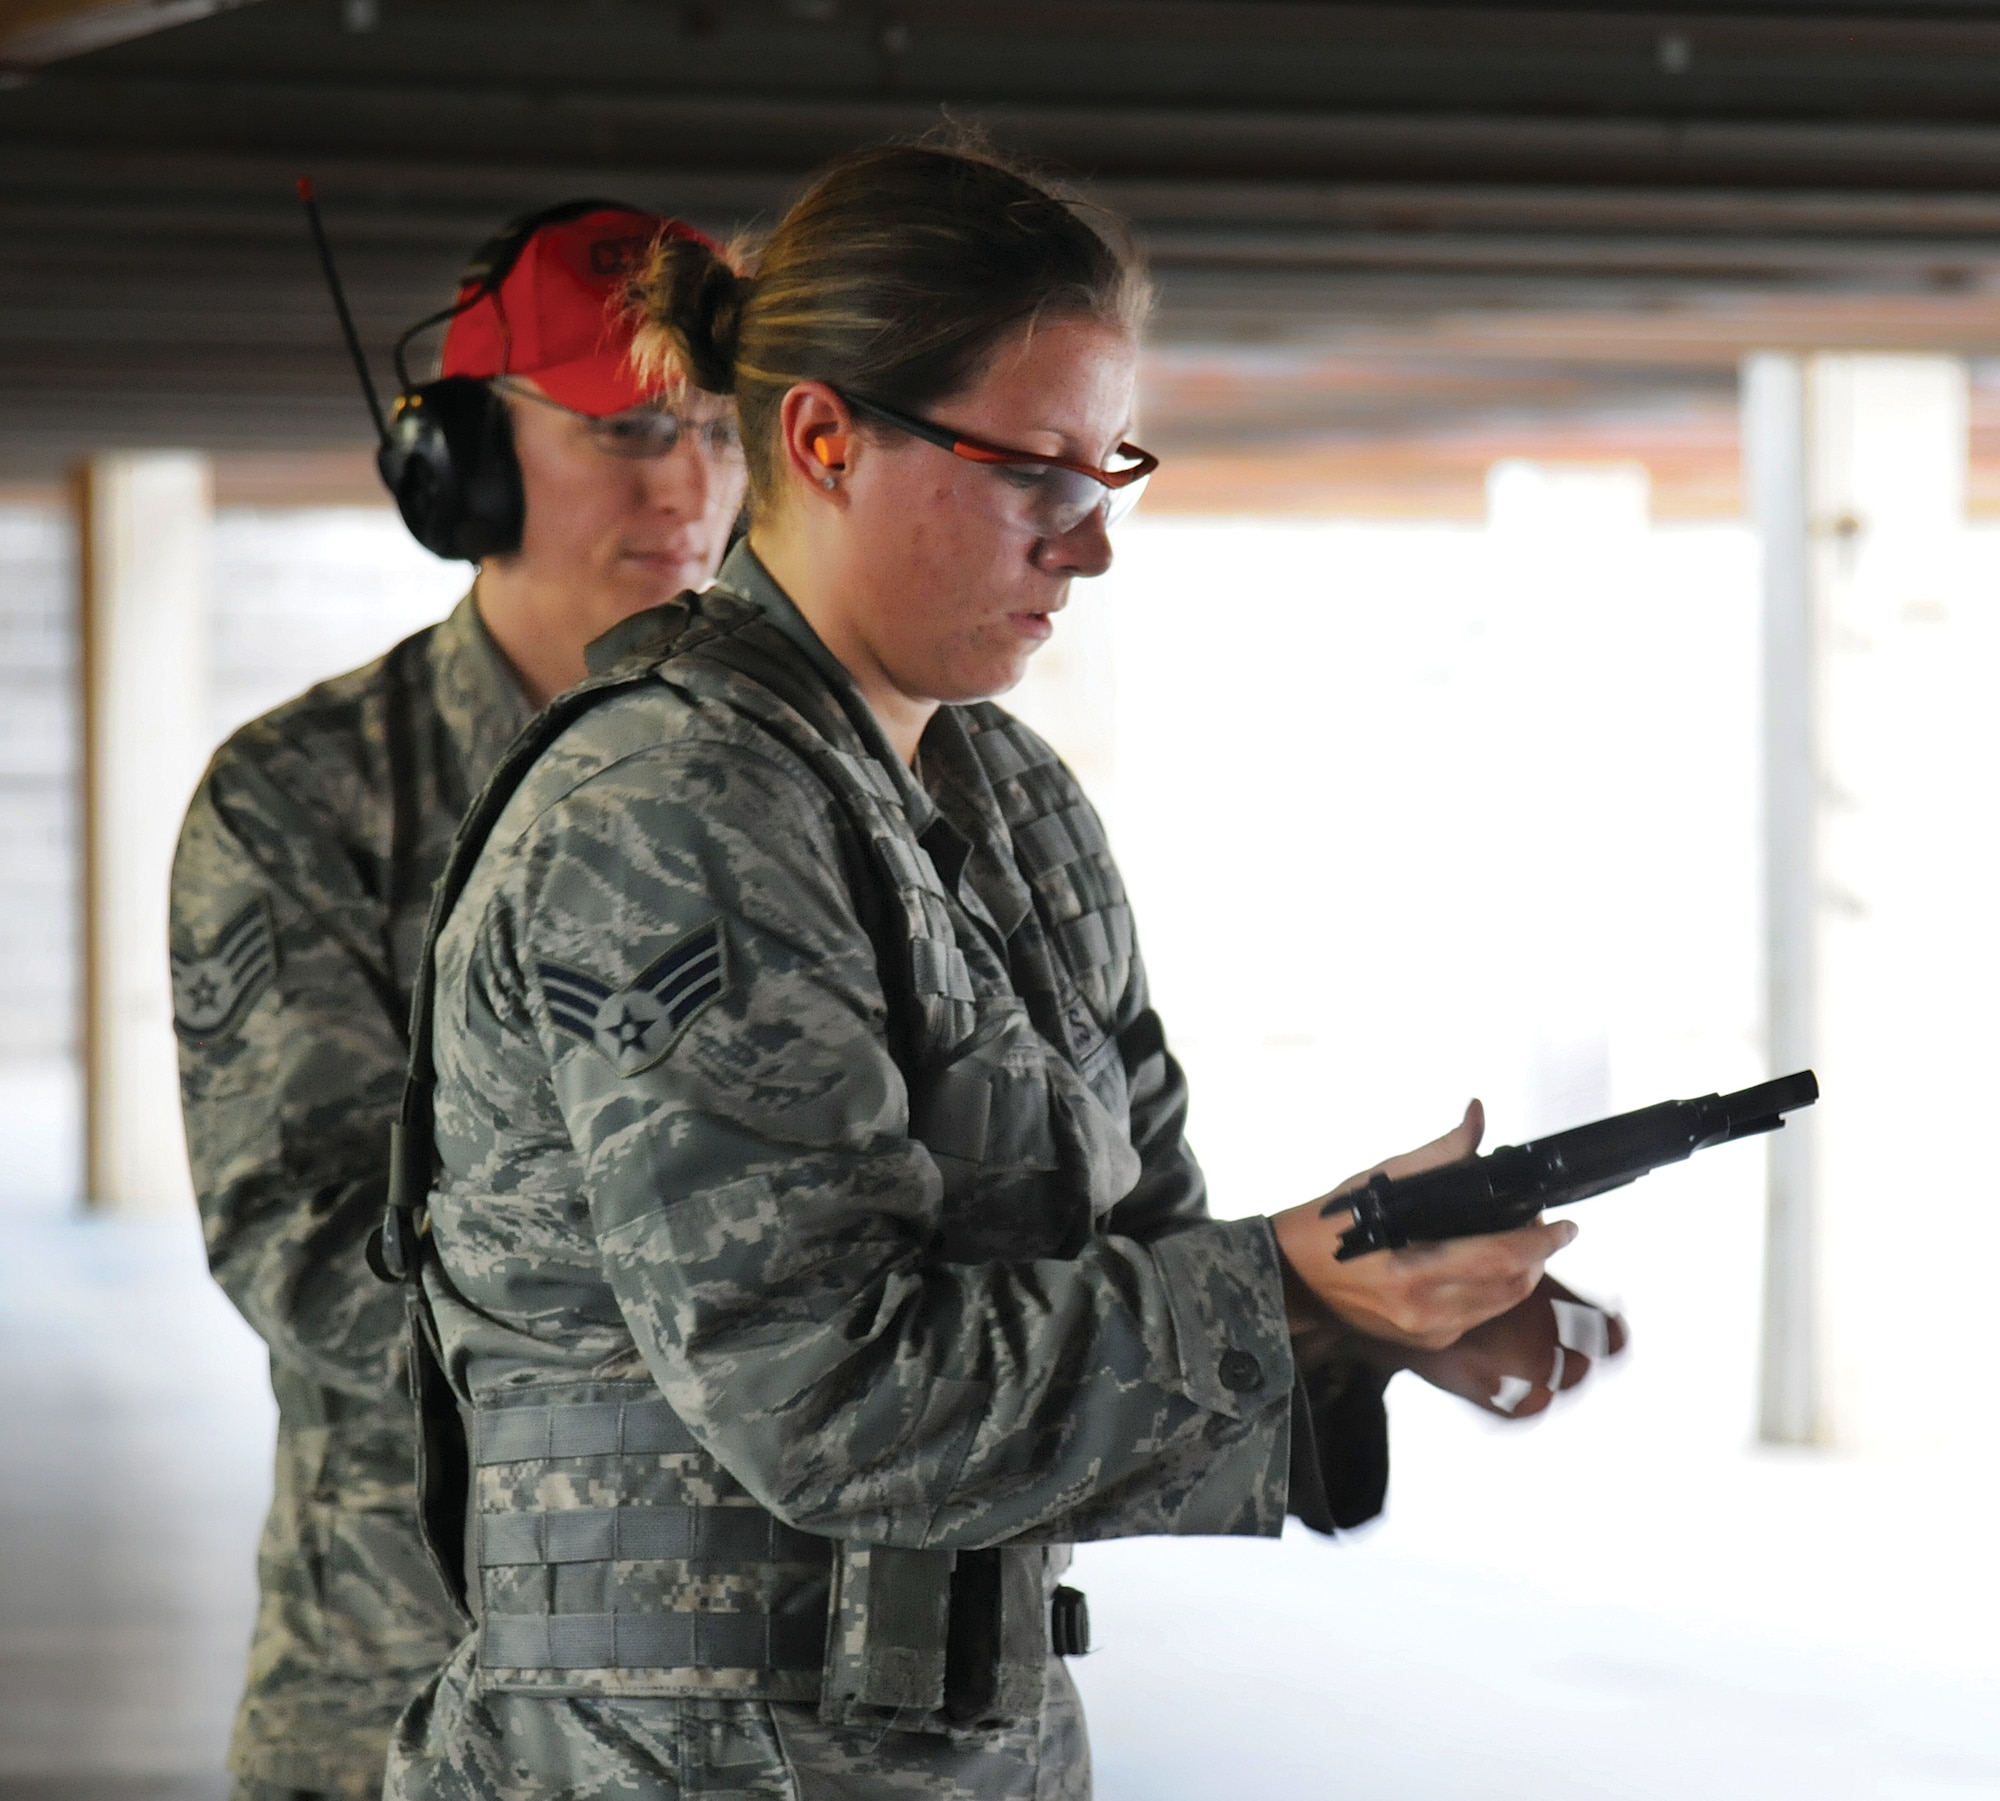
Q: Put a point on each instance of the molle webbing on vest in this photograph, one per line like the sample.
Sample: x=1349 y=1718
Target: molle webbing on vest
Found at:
x=634 y=1534
x=711 y=1642
x=1062 y=852
x=581 y=1429
x=937 y=971
x=595 y=1507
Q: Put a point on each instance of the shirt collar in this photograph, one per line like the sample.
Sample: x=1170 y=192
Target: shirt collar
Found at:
x=744 y=575
x=479 y=697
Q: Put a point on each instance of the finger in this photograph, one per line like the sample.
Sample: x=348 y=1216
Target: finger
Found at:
x=1463 y=1139
x=1615 y=1333
x=1461 y=1142
x=1581 y=1327
x=1516 y=1398
x=1544 y=1238
x=1513 y=1390
x=1503 y=1259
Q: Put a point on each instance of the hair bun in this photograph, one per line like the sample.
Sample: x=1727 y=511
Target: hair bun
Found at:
x=695 y=306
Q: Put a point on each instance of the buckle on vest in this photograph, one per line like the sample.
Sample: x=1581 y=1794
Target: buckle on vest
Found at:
x=390 y=1245
x=1069 y=1622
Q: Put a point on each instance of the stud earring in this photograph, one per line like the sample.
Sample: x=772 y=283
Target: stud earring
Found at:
x=829 y=481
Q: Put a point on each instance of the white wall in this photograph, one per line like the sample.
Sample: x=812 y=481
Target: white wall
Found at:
x=295 y=597
x=1411 y=813
x=302 y=595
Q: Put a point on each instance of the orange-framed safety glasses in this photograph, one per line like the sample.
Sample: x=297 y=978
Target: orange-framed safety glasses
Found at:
x=1061 y=494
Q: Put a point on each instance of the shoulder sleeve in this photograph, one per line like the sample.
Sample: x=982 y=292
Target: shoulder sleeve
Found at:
x=291 y=1056
x=767 y=1222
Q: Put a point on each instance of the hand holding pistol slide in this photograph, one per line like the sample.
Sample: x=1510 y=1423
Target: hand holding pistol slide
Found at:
x=1510 y=1186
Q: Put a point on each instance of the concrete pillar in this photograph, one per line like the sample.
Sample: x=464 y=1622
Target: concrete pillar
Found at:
x=146 y=532
x=1882 y=740
x=1775 y=458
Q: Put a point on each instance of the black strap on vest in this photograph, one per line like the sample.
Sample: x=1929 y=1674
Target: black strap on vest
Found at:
x=401 y=689
x=397 y=1249
x=396 y=1253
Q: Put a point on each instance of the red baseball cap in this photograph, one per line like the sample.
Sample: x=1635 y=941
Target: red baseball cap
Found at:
x=562 y=315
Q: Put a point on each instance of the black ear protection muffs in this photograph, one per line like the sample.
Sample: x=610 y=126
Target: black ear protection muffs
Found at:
x=448 y=453
x=450 y=463
x=447 y=450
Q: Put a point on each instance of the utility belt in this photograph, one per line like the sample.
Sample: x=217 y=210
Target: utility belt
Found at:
x=607 y=1553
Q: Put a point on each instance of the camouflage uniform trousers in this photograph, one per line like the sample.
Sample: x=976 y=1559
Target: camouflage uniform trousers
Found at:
x=499 y=1746
x=351 y=1619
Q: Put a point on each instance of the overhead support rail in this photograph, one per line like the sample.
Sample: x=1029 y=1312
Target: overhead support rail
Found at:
x=1703 y=180
x=35 y=33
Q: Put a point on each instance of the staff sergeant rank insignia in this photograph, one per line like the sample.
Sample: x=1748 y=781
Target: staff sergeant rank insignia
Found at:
x=636 y=1026
x=213 y=987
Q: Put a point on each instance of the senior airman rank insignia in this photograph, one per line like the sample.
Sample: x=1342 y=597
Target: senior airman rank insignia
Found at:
x=637 y=1025
x=213 y=987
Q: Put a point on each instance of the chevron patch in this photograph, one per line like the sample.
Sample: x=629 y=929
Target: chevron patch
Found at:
x=213 y=988
x=635 y=1026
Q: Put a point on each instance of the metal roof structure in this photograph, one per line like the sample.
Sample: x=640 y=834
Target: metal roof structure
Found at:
x=1441 y=207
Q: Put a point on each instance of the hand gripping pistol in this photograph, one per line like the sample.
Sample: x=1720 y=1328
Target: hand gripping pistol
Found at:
x=1510 y=1186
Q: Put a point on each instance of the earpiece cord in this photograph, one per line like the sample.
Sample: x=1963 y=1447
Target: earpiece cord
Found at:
x=340 y=308
x=423 y=325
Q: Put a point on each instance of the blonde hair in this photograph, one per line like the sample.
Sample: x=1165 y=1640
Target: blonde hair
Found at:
x=892 y=278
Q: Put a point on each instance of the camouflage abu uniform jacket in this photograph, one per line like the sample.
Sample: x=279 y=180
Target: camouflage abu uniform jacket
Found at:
x=816 y=1278
x=300 y=892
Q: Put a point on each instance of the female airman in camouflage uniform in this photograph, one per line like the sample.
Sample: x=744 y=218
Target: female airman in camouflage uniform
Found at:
x=814 y=1242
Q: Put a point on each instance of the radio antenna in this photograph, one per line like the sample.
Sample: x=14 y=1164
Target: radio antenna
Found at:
x=339 y=294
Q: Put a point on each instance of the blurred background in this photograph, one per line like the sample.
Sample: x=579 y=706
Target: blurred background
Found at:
x=1554 y=663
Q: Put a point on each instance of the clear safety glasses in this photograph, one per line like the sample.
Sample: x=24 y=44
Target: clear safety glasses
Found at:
x=1059 y=494
x=641 y=433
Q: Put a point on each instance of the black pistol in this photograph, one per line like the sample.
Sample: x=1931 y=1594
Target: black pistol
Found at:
x=1508 y=1187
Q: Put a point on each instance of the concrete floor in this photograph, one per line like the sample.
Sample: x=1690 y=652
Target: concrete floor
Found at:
x=136 y=1425
x=1619 y=1603
x=1572 y=1628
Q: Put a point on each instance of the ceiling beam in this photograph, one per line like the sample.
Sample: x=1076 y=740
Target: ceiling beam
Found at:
x=556 y=127
x=35 y=33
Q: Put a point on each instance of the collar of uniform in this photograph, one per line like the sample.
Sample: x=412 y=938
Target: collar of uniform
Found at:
x=479 y=697
x=744 y=575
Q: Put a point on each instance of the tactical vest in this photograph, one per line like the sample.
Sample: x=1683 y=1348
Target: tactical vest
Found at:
x=1028 y=1099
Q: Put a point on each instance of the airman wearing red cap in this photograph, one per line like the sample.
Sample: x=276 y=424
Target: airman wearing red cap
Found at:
x=629 y=499
x=300 y=891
